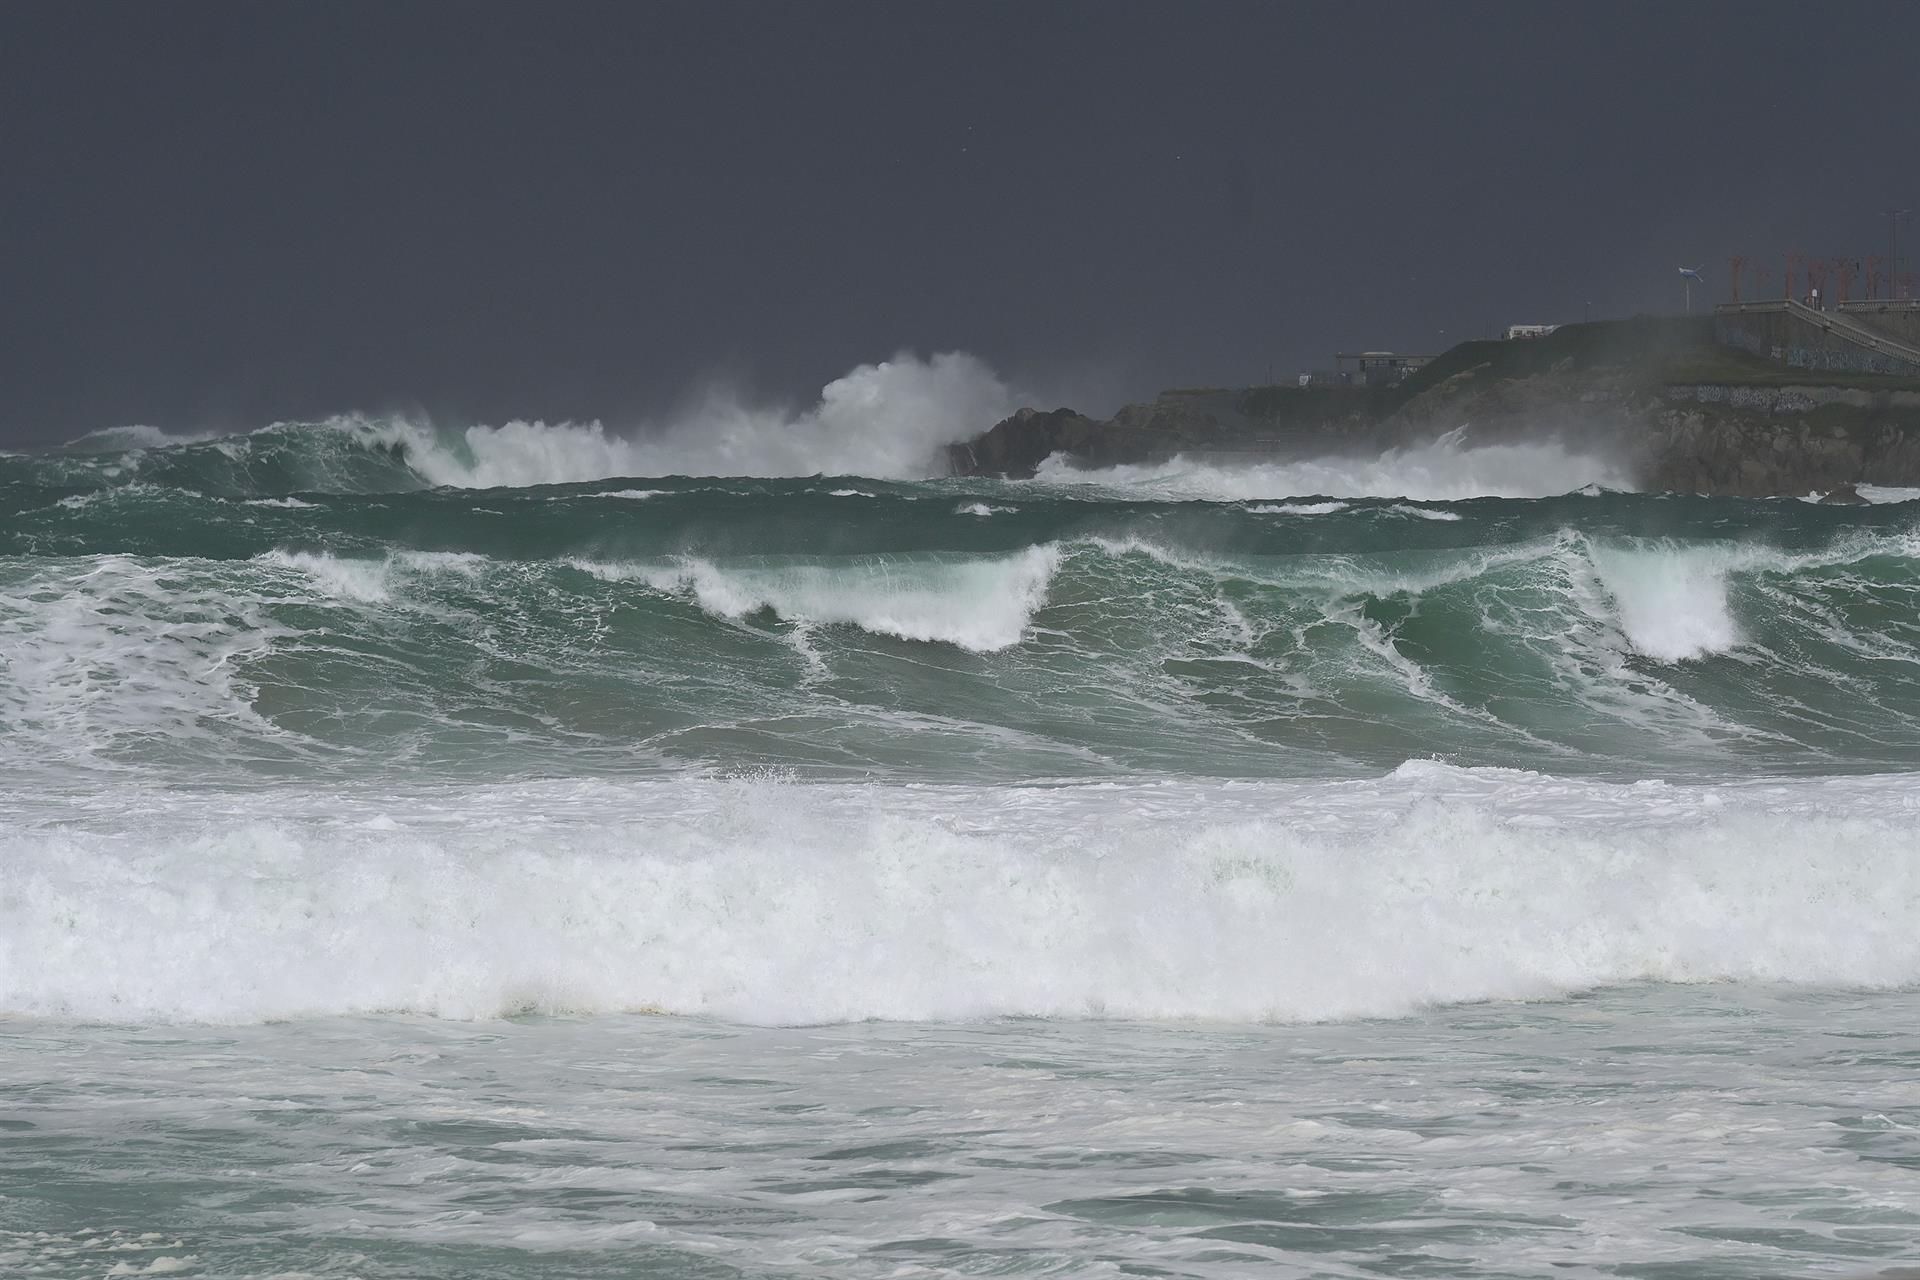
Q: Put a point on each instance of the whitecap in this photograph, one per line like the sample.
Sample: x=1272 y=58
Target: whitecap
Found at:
x=1297 y=508
x=779 y=904
x=1424 y=513
x=983 y=604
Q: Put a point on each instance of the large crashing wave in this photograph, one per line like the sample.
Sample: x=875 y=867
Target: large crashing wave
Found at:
x=886 y=419
x=780 y=904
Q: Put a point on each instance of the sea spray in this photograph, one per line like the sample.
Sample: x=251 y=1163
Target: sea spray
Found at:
x=885 y=419
x=890 y=420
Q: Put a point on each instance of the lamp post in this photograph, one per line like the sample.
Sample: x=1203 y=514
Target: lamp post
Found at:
x=1692 y=277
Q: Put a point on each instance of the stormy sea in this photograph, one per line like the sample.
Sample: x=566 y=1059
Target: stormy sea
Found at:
x=528 y=851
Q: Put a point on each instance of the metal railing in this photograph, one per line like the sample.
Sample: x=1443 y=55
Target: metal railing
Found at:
x=1833 y=322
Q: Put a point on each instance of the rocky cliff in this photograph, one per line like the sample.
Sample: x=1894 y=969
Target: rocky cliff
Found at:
x=1787 y=441
x=1657 y=395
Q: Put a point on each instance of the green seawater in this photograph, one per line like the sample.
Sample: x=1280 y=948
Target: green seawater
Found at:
x=299 y=602
x=414 y=868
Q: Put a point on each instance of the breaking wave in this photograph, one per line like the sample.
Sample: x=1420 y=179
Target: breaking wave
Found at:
x=811 y=750
x=778 y=904
x=1080 y=655
x=981 y=605
x=887 y=419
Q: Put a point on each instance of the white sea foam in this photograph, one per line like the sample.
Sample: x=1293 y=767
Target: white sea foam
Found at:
x=103 y=656
x=982 y=509
x=369 y=581
x=1673 y=598
x=1446 y=469
x=777 y=904
x=890 y=420
x=361 y=580
x=1297 y=508
x=124 y=660
x=285 y=504
x=1423 y=513
x=980 y=604
x=632 y=495
x=1672 y=601
x=1879 y=494
x=886 y=419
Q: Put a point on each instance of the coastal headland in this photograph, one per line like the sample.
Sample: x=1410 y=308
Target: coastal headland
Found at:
x=1669 y=399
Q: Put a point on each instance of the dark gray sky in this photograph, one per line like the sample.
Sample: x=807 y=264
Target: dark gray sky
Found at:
x=217 y=215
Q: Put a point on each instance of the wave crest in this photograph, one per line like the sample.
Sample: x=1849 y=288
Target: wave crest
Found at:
x=980 y=604
x=887 y=420
x=778 y=904
x=884 y=420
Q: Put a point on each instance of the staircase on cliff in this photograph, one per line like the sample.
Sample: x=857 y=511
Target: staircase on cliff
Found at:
x=1877 y=339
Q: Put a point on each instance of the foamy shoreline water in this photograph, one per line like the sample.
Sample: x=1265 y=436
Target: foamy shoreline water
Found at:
x=1663 y=1131
x=778 y=903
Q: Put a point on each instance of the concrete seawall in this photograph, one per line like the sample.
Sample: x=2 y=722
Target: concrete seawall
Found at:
x=1789 y=399
x=1856 y=339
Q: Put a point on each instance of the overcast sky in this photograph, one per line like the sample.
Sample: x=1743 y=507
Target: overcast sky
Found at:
x=218 y=215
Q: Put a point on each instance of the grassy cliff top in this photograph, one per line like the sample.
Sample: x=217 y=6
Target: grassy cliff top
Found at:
x=1650 y=343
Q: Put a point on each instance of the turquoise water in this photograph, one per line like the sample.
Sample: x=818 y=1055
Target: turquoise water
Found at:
x=1644 y=1132
x=183 y=610
x=484 y=854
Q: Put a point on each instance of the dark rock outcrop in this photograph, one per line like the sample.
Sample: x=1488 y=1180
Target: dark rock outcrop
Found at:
x=1656 y=397
x=1207 y=423
x=1016 y=447
x=1789 y=443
